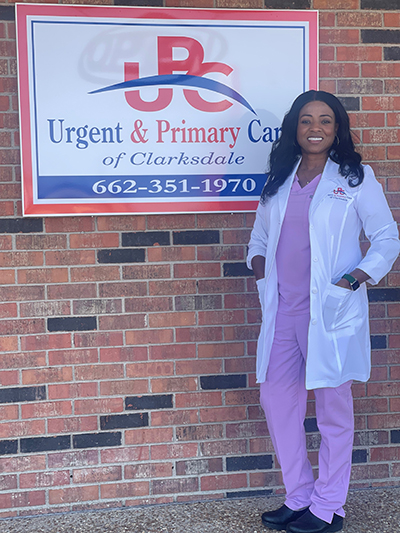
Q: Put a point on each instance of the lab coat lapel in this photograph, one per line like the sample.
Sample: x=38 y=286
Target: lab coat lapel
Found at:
x=328 y=181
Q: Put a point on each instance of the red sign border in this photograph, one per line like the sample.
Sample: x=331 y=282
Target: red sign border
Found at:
x=94 y=208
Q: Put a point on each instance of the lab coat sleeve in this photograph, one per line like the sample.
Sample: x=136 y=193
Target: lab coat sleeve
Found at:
x=259 y=237
x=379 y=228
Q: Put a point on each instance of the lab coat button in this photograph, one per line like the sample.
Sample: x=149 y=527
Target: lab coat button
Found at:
x=315 y=290
x=313 y=321
x=311 y=226
x=315 y=259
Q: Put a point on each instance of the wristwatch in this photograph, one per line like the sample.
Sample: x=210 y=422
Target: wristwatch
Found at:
x=354 y=283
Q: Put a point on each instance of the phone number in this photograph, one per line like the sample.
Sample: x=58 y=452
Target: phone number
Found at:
x=171 y=186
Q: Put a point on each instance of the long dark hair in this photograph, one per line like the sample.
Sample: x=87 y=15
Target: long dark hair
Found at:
x=286 y=151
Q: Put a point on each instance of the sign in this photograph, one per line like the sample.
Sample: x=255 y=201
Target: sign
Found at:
x=151 y=110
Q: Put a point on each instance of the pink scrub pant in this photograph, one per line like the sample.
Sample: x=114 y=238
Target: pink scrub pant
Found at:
x=283 y=397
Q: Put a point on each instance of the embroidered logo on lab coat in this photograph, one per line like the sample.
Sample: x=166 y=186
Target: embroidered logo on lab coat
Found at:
x=339 y=194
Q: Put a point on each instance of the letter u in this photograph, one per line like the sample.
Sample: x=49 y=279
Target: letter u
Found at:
x=133 y=97
x=51 y=129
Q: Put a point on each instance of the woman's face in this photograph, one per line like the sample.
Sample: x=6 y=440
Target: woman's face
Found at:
x=316 y=128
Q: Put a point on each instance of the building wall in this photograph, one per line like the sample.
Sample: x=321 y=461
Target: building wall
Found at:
x=127 y=342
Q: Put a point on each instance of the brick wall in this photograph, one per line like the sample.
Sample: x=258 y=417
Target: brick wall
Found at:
x=127 y=343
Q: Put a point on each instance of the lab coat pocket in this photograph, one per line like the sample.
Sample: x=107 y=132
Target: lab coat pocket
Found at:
x=261 y=283
x=341 y=308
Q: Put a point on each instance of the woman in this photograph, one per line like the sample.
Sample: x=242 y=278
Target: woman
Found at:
x=305 y=253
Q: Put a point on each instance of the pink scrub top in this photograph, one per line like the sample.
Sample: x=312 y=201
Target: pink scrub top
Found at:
x=293 y=253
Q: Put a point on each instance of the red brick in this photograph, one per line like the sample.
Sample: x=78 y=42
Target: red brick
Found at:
x=169 y=222
x=339 y=70
x=360 y=19
x=163 y=320
x=265 y=479
x=46 y=342
x=383 y=421
x=97 y=307
x=197 y=334
x=175 y=417
x=97 y=475
x=70 y=257
x=146 y=272
x=97 y=273
x=224 y=481
x=49 y=308
x=148 y=304
x=9 y=412
x=125 y=455
x=385 y=454
x=94 y=240
x=336 y=4
x=221 y=414
x=148 y=470
x=242 y=397
x=99 y=405
x=8 y=482
x=178 y=384
x=73 y=494
x=72 y=390
x=80 y=424
x=148 y=435
x=46 y=375
x=121 y=223
x=22 y=499
x=124 y=353
x=378 y=103
x=22 y=464
x=393 y=152
x=142 y=370
x=380 y=70
x=10 y=377
x=98 y=372
x=69 y=224
x=124 y=387
x=155 y=336
x=197 y=270
x=10 y=430
x=96 y=339
x=13 y=294
x=381 y=136
x=369 y=472
x=174 y=451
x=72 y=459
x=41 y=242
x=220 y=253
x=171 y=253
x=44 y=479
x=172 y=287
x=115 y=290
x=198 y=399
x=123 y=490
x=391 y=19
x=8 y=310
x=21 y=259
x=236 y=236
x=46 y=409
x=166 y=486
x=19 y=360
x=231 y=349
x=173 y=351
x=196 y=367
x=71 y=291
x=73 y=357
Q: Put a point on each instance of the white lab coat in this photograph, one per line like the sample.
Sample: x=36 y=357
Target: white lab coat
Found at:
x=338 y=335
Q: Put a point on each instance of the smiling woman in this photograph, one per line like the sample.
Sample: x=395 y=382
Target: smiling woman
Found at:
x=305 y=253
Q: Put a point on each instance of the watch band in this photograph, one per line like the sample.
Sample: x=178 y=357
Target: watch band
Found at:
x=354 y=283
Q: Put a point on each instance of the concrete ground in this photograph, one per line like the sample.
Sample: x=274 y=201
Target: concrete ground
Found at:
x=367 y=511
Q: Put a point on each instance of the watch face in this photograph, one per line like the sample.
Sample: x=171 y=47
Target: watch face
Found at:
x=355 y=285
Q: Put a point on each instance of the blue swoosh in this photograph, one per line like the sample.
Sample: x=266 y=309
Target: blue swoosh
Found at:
x=180 y=79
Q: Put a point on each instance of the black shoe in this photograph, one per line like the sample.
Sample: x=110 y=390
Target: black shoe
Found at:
x=309 y=523
x=281 y=517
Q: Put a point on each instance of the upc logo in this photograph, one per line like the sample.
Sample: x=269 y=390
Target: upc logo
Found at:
x=195 y=68
x=339 y=190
